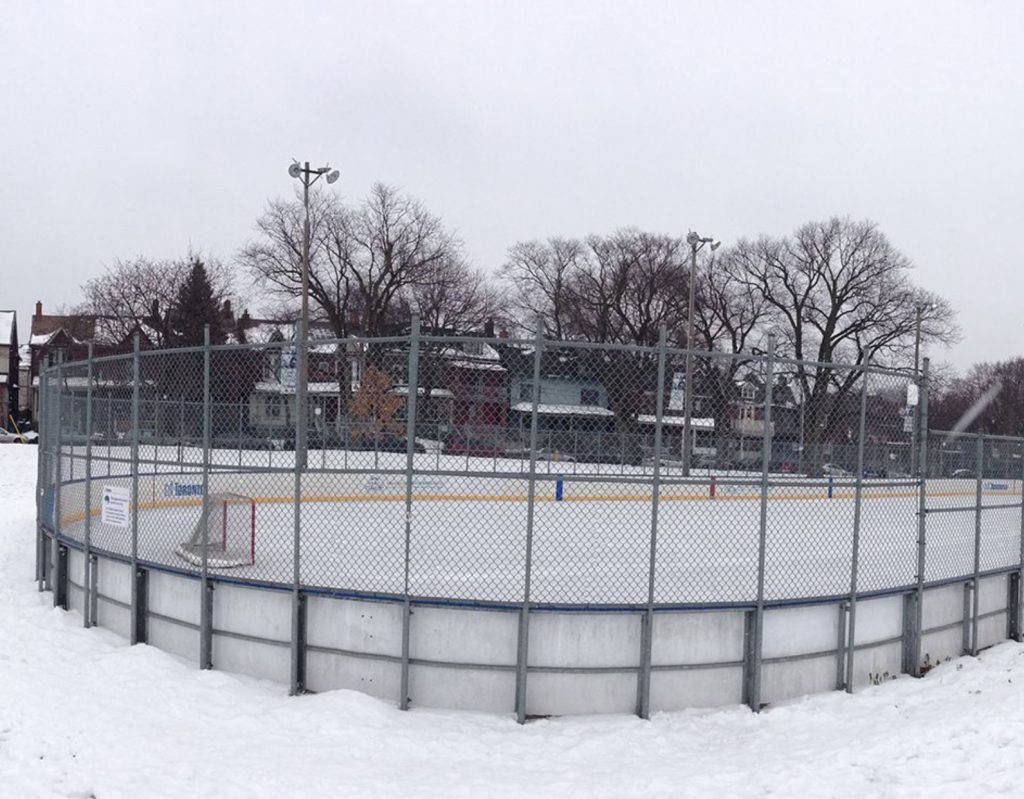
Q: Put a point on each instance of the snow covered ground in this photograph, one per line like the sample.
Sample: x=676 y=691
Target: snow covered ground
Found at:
x=84 y=715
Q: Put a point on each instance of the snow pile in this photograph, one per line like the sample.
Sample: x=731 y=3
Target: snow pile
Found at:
x=84 y=715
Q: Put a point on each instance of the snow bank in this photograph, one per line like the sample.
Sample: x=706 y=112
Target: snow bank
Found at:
x=84 y=715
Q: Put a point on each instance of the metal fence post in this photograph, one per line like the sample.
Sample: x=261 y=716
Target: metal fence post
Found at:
x=137 y=634
x=647 y=631
x=298 y=676
x=523 y=644
x=915 y=649
x=1016 y=598
x=979 y=468
x=42 y=473
x=858 y=492
x=410 y=451
x=205 y=593
x=757 y=634
x=88 y=565
x=56 y=554
x=58 y=441
x=241 y=413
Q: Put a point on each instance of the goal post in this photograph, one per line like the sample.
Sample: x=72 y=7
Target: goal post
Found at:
x=227 y=533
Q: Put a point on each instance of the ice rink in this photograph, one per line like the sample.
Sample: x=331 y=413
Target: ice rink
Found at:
x=468 y=537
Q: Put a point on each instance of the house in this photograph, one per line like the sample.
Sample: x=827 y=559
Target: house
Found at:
x=479 y=385
x=574 y=410
x=56 y=338
x=272 y=403
x=9 y=369
x=749 y=424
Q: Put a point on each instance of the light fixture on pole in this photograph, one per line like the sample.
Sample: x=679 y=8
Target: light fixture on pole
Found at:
x=308 y=176
x=696 y=243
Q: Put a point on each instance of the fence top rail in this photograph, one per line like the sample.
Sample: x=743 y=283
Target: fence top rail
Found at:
x=354 y=344
x=949 y=435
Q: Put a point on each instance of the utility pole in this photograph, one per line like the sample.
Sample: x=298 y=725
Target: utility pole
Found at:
x=695 y=242
x=308 y=177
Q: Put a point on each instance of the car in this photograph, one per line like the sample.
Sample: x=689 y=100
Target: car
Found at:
x=460 y=444
x=384 y=442
x=831 y=470
x=13 y=437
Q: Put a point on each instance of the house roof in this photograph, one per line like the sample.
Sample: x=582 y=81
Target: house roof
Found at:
x=8 y=333
x=313 y=387
x=563 y=410
x=677 y=421
x=79 y=327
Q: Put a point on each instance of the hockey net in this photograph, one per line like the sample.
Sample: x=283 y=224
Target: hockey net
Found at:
x=227 y=533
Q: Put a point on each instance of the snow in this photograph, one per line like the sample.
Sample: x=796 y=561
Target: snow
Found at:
x=82 y=714
x=40 y=339
x=677 y=421
x=6 y=328
x=563 y=410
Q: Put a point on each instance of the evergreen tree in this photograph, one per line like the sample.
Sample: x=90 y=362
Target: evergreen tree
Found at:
x=196 y=306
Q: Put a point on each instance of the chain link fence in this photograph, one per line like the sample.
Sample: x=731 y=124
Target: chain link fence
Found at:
x=524 y=471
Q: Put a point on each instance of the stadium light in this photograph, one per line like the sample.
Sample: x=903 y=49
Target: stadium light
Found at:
x=696 y=242
x=308 y=176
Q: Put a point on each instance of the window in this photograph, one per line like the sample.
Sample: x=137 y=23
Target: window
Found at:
x=272 y=405
x=748 y=392
x=590 y=396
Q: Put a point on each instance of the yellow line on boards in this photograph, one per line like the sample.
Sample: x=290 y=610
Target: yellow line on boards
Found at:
x=867 y=494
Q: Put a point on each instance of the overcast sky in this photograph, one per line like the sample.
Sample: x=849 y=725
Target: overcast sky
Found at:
x=143 y=128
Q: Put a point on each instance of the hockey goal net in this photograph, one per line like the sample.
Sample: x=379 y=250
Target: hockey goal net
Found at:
x=227 y=533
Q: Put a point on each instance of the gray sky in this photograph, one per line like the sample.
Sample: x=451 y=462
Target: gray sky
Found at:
x=142 y=128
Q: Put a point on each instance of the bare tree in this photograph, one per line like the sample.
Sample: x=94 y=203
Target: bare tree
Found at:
x=139 y=294
x=454 y=298
x=366 y=263
x=275 y=257
x=539 y=274
x=730 y=316
x=611 y=289
x=838 y=292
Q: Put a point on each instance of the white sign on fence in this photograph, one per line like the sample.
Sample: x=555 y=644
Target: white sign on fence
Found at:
x=114 y=510
x=677 y=398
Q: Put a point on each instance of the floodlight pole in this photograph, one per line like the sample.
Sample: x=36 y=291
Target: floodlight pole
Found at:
x=308 y=177
x=695 y=242
x=919 y=308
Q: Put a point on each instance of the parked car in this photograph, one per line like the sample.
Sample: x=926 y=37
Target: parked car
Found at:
x=460 y=444
x=26 y=437
x=831 y=470
x=384 y=442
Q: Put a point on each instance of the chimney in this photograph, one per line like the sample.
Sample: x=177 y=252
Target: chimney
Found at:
x=39 y=308
x=489 y=328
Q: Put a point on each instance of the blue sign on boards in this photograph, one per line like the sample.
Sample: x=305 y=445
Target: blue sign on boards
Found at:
x=174 y=489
